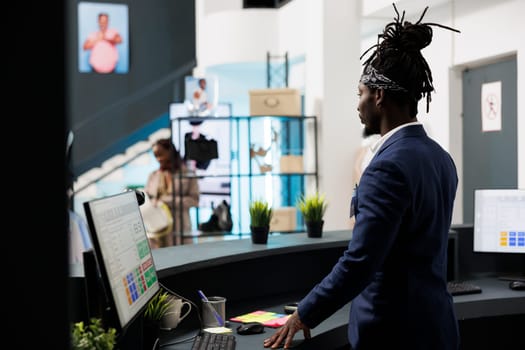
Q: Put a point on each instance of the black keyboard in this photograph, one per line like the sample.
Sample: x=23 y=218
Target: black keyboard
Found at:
x=214 y=341
x=462 y=288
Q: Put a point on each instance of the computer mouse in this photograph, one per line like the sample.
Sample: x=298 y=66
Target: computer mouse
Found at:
x=250 y=328
x=517 y=285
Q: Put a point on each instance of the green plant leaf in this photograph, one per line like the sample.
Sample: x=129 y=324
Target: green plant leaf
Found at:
x=260 y=213
x=312 y=206
x=93 y=336
x=157 y=306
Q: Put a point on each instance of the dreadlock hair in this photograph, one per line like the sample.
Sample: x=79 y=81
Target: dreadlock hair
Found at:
x=398 y=56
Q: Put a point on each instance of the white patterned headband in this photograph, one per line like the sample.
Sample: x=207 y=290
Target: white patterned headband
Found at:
x=372 y=78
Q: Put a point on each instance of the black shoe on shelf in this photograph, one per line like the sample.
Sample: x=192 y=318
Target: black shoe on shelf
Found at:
x=220 y=220
x=212 y=225
x=225 y=217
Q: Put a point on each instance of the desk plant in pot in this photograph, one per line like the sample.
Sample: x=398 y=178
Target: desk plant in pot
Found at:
x=313 y=208
x=156 y=309
x=260 y=217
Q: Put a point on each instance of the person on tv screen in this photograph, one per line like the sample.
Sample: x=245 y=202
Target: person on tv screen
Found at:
x=179 y=194
x=394 y=269
x=102 y=43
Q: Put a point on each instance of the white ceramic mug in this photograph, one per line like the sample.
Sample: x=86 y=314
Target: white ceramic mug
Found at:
x=175 y=314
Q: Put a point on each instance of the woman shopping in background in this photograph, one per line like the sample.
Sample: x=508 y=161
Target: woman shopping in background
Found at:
x=163 y=184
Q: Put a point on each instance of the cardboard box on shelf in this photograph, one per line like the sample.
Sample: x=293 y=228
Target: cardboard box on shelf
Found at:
x=284 y=219
x=291 y=164
x=275 y=101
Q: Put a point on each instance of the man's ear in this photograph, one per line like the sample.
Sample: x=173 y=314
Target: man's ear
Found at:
x=380 y=97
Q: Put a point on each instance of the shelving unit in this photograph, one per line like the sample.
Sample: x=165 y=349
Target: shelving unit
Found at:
x=251 y=149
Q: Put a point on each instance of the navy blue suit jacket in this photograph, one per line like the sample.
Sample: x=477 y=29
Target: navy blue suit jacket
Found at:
x=394 y=269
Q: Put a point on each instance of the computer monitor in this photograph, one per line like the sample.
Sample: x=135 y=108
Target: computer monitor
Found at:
x=125 y=263
x=499 y=221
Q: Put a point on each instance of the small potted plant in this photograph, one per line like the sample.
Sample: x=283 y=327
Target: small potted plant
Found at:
x=260 y=217
x=92 y=336
x=313 y=208
x=157 y=307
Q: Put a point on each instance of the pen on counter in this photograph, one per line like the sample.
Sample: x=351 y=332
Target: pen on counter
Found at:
x=212 y=309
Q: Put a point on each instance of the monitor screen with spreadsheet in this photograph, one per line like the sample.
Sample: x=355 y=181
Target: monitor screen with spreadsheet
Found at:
x=123 y=255
x=499 y=221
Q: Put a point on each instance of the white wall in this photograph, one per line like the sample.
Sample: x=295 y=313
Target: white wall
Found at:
x=340 y=126
x=293 y=24
x=327 y=34
x=234 y=35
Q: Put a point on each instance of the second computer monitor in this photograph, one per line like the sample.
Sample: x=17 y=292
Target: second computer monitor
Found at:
x=499 y=221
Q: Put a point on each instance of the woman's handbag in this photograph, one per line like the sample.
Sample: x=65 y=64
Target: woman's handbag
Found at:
x=158 y=219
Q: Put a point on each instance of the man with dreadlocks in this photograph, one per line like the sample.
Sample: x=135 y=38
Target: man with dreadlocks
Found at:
x=394 y=268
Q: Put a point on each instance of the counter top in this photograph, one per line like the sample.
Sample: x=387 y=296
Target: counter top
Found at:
x=196 y=256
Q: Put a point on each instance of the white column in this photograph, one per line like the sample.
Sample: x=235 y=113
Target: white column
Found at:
x=339 y=125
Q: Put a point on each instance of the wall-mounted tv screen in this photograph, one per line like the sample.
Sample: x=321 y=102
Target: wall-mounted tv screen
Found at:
x=123 y=255
x=103 y=40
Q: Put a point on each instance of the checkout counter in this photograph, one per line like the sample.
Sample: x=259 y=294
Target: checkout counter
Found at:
x=268 y=276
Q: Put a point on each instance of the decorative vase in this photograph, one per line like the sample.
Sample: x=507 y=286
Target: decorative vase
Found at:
x=314 y=229
x=260 y=234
